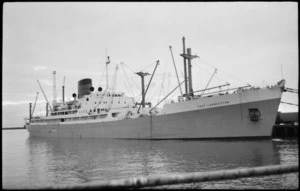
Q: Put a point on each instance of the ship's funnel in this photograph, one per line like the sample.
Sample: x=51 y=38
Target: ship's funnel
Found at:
x=84 y=87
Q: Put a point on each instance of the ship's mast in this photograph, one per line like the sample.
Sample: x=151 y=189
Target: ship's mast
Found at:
x=30 y=105
x=63 y=91
x=107 y=62
x=144 y=93
x=143 y=74
x=184 y=62
x=188 y=57
x=54 y=86
x=190 y=72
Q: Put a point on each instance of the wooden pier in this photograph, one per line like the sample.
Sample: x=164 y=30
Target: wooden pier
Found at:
x=286 y=125
x=285 y=131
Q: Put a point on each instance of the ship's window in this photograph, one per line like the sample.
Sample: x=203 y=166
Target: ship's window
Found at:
x=94 y=110
x=118 y=101
x=87 y=99
x=95 y=102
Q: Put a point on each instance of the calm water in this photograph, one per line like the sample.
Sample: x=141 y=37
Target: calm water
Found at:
x=29 y=162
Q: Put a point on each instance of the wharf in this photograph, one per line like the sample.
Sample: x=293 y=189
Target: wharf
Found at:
x=13 y=128
x=285 y=131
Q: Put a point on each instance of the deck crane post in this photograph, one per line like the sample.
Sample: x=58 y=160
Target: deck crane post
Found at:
x=44 y=95
x=144 y=93
x=34 y=103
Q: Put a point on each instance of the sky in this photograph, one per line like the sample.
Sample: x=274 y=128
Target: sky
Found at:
x=247 y=42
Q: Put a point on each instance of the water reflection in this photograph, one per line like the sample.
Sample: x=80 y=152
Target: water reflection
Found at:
x=69 y=161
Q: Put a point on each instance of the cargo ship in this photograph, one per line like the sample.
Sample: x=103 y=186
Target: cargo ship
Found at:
x=243 y=112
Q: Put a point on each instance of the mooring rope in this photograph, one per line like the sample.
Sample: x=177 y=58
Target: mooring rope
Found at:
x=151 y=181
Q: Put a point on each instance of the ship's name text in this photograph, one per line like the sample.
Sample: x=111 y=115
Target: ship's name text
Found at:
x=213 y=104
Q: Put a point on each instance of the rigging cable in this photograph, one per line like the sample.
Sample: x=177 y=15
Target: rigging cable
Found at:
x=223 y=71
x=147 y=67
x=175 y=69
x=127 y=79
x=162 y=86
x=289 y=103
x=291 y=90
x=210 y=80
x=99 y=84
x=137 y=86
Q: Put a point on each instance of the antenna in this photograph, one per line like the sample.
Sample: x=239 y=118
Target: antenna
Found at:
x=107 y=62
x=281 y=71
